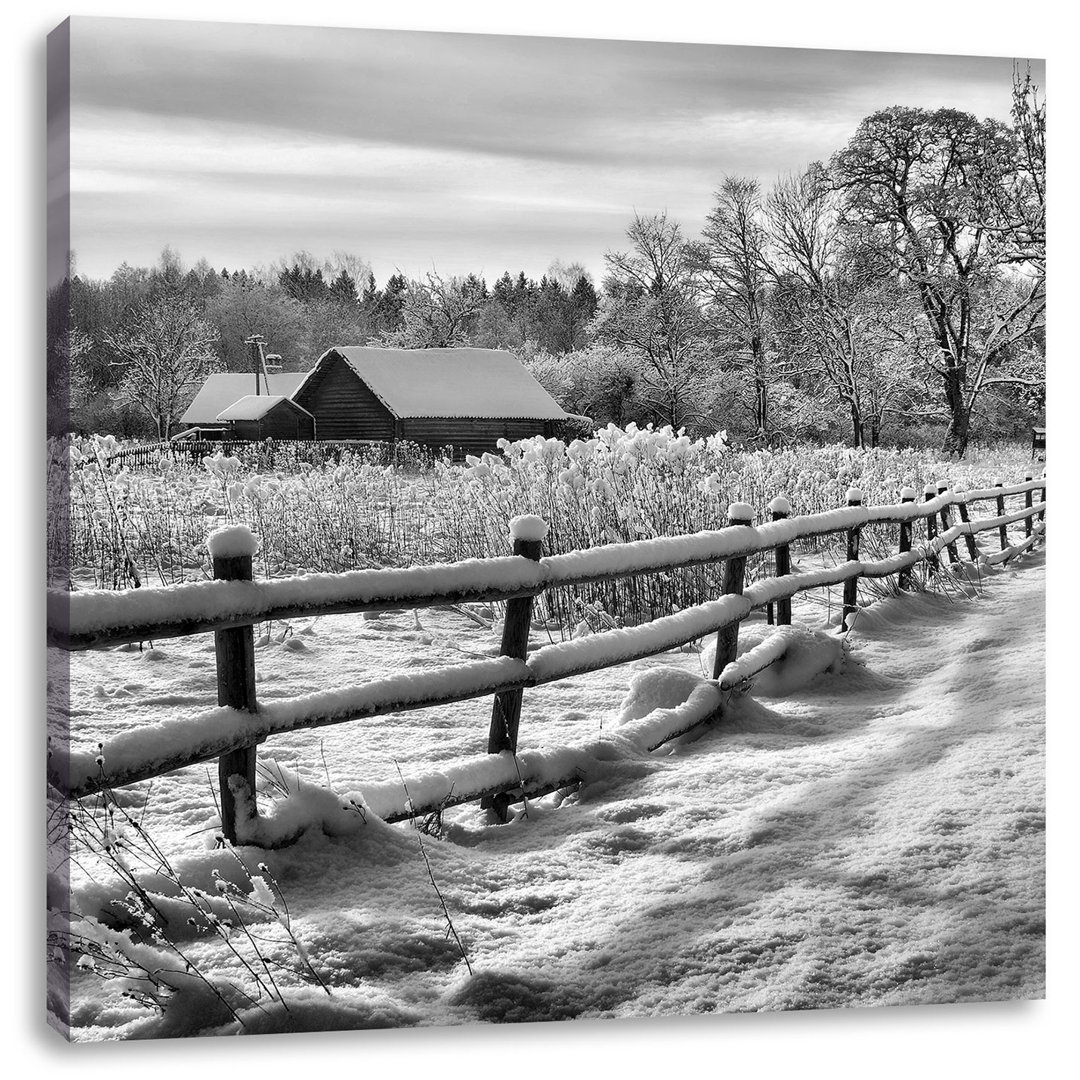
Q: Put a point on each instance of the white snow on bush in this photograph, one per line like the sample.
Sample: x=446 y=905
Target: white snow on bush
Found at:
x=146 y=610
x=231 y=541
x=528 y=527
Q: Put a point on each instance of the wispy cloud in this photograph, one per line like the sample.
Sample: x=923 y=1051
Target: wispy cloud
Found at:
x=228 y=139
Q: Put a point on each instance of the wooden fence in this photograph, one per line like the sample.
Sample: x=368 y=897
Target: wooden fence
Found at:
x=230 y=605
x=317 y=450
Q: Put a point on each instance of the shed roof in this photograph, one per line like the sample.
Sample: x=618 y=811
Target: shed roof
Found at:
x=223 y=388
x=256 y=406
x=467 y=383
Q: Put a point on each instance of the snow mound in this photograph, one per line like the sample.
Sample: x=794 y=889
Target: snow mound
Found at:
x=231 y=541
x=528 y=527
x=806 y=654
x=656 y=688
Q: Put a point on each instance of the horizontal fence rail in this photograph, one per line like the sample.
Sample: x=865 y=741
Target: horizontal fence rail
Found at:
x=230 y=733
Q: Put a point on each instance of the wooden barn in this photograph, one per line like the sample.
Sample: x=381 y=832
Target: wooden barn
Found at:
x=224 y=388
x=267 y=416
x=467 y=398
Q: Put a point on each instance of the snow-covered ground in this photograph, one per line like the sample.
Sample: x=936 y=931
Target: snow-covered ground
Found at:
x=874 y=837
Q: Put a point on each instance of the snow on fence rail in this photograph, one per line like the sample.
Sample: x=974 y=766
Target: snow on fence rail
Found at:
x=233 y=602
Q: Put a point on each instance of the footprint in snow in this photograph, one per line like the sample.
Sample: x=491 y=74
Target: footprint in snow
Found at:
x=117 y=691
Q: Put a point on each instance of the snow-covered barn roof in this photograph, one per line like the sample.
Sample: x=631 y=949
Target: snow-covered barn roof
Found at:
x=256 y=406
x=223 y=388
x=467 y=383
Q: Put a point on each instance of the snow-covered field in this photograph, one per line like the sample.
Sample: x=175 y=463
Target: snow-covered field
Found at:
x=873 y=837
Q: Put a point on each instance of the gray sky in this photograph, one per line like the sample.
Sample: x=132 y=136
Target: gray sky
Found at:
x=244 y=143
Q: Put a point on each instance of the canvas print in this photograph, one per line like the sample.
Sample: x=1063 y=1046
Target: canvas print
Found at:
x=539 y=529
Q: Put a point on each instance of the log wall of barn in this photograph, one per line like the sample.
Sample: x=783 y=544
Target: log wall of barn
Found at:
x=470 y=436
x=343 y=407
x=280 y=423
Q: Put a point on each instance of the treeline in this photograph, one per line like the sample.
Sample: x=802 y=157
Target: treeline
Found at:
x=140 y=344
x=893 y=293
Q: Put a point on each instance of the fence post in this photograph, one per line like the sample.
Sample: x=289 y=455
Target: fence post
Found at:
x=973 y=551
x=527 y=535
x=727 y=637
x=1028 y=476
x=1003 y=530
x=1042 y=513
x=907 y=495
x=781 y=509
x=231 y=550
x=851 y=586
x=946 y=525
x=929 y=492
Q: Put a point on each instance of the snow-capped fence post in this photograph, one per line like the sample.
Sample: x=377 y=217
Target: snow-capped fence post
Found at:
x=930 y=492
x=973 y=551
x=727 y=637
x=1028 y=476
x=527 y=535
x=946 y=524
x=907 y=495
x=1003 y=530
x=781 y=509
x=851 y=586
x=232 y=549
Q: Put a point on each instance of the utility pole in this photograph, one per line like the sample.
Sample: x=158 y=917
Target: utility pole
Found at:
x=258 y=360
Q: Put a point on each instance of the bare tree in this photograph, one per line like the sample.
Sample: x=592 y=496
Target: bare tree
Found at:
x=842 y=316
x=650 y=309
x=437 y=314
x=165 y=351
x=934 y=194
x=734 y=261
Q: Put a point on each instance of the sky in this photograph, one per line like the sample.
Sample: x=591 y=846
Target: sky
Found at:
x=244 y=143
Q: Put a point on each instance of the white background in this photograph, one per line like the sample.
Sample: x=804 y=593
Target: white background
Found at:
x=1035 y=1039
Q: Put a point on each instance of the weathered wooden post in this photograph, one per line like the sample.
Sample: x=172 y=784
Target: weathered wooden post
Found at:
x=851 y=586
x=781 y=509
x=1003 y=530
x=231 y=549
x=961 y=506
x=527 y=536
x=1042 y=499
x=946 y=524
x=929 y=493
x=907 y=495
x=727 y=637
x=1028 y=476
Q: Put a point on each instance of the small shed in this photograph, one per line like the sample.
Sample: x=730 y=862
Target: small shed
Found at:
x=1038 y=443
x=267 y=416
x=224 y=387
x=465 y=398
